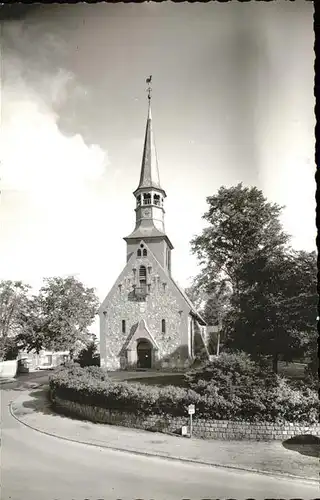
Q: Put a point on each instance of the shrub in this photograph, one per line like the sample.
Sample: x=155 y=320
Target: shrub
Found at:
x=85 y=385
x=73 y=371
x=89 y=355
x=239 y=388
x=302 y=405
x=96 y=372
x=273 y=402
x=230 y=373
x=67 y=365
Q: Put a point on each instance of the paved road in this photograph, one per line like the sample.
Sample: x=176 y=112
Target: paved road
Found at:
x=39 y=467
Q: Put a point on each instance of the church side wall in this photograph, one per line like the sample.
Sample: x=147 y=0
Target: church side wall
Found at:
x=163 y=302
x=103 y=332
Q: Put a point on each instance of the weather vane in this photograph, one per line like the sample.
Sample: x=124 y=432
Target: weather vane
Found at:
x=149 y=89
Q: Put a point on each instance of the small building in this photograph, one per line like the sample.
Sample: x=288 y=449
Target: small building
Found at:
x=146 y=320
x=43 y=360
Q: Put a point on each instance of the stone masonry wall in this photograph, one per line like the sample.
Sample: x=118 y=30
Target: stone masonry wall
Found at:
x=208 y=429
x=163 y=302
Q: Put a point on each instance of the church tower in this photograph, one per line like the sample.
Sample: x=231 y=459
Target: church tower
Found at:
x=146 y=320
x=150 y=198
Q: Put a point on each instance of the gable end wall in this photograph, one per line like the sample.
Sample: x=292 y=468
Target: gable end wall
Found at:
x=162 y=303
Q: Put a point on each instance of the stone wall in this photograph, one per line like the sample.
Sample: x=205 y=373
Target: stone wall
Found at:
x=209 y=429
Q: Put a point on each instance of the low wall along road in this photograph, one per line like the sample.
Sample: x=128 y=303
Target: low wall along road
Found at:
x=210 y=429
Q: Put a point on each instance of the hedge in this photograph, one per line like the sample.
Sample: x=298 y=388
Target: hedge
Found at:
x=92 y=386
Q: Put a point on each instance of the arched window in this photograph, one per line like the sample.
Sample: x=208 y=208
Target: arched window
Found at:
x=139 y=200
x=146 y=198
x=163 y=326
x=123 y=326
x=145 y=252
x=156 y=199
x=139 y=252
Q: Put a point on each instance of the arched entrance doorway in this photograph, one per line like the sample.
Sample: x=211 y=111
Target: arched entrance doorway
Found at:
x=144 y=354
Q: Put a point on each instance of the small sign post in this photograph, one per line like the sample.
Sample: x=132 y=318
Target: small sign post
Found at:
x=191 y=411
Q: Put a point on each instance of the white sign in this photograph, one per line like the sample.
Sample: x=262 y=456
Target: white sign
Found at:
x=191 y=409
x=184 y=430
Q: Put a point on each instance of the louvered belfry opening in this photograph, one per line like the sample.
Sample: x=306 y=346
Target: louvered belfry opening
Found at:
x=143 y=276
x=147 y=199
x=141 y=289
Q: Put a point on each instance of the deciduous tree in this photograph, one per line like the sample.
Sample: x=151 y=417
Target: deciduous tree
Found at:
x=264 y=292
x=242 y=226
x=13 y=299
x=59 y=317
x=278 y=308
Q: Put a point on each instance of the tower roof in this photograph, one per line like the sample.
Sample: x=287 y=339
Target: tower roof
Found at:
x=149 y=176
x=146 y=229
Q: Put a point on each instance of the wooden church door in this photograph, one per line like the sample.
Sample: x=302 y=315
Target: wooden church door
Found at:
x=144 y=353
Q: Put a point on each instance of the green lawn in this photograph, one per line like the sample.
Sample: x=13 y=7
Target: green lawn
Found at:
x=150 y=378
x=292 y=370
x=176 y=379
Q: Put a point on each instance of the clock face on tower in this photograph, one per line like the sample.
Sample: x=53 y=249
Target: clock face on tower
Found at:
x=146 y=212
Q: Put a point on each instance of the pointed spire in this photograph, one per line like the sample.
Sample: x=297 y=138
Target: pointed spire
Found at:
x=149 y=176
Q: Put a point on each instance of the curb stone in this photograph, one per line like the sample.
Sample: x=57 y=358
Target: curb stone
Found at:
x=133 y=451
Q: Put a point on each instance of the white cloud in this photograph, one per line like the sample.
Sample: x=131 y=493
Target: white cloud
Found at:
x=35 y=155
x=53 y=177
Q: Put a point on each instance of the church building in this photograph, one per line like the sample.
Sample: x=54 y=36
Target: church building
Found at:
x=146 y=320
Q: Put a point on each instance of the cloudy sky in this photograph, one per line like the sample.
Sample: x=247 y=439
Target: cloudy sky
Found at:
x=232 y=101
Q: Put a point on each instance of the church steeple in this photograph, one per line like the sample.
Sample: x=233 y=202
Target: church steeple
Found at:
x=149 y=193
x=149 y=176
